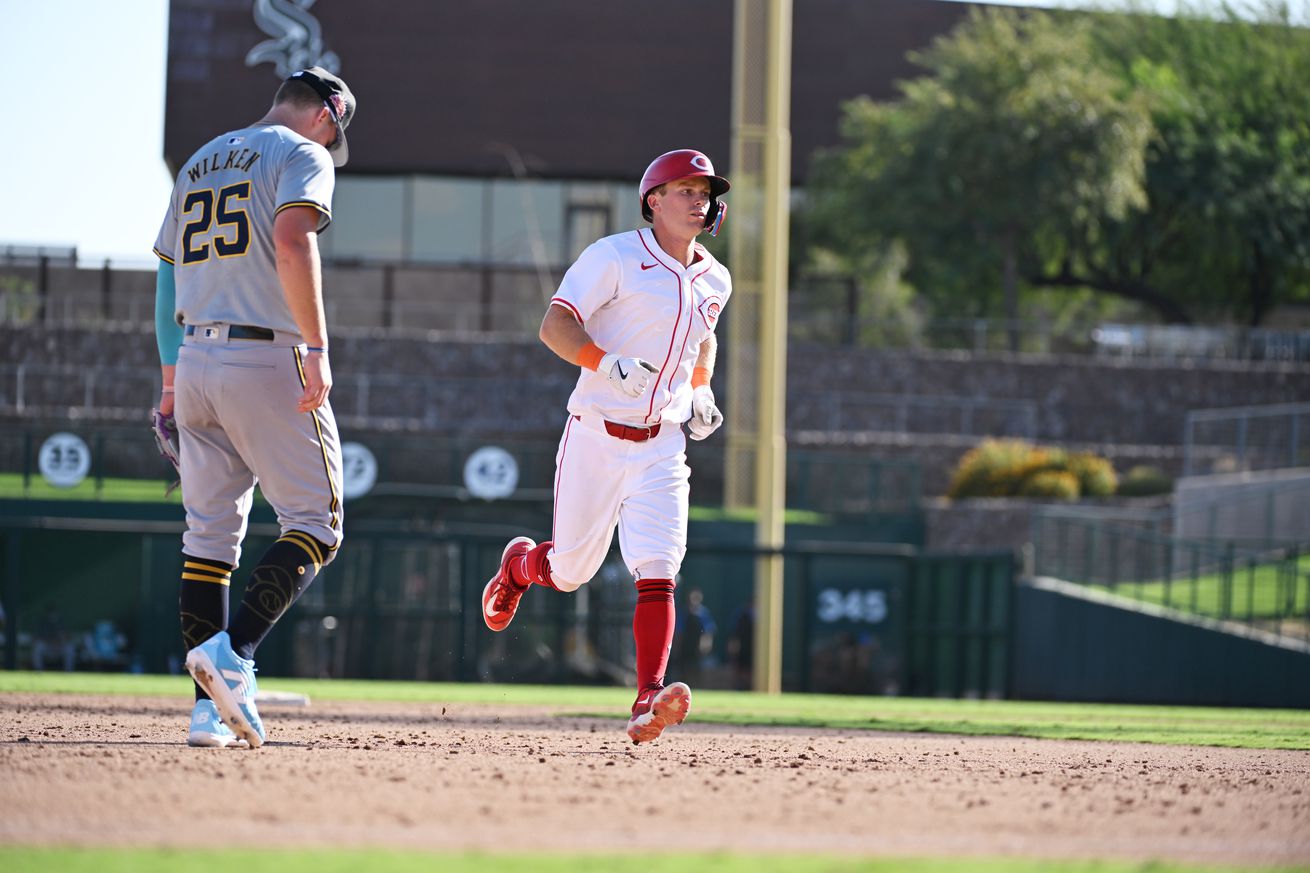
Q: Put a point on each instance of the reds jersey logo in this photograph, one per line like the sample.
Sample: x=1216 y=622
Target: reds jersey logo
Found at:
x=709 y=310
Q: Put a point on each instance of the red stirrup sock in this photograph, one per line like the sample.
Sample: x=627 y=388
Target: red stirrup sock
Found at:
x=533 y=568
x=652 y=629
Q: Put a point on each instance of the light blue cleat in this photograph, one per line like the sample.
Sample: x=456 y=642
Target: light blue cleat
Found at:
x=208 y=731
x=229 y=680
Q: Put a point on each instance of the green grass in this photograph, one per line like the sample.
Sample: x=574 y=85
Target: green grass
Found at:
x=1168 y=725
x=1255 y=591
x=12 y=487
x=126 y=490
x=748 y=513
x=33 y=860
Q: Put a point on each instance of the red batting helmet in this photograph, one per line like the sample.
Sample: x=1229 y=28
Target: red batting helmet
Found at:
x=682 y=164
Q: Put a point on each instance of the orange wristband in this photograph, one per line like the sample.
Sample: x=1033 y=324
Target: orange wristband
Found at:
x=590 y=356
x=700 y=376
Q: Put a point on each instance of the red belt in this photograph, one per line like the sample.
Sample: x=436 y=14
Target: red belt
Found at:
x=634 y=434
x=630 y=432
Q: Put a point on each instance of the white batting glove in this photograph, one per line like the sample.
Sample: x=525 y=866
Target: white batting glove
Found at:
x=629 y=375
x=705 y=415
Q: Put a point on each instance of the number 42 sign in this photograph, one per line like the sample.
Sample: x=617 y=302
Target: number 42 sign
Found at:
x=491 y=473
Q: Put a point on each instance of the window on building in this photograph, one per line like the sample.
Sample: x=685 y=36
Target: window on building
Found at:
x=527 y=222
x=448 y=220
x=585 y=224
x=367 y=220
x=444 y=220
x=627 y=206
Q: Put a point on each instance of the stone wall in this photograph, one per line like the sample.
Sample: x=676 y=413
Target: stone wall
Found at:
x=1077 y=399
x=1083 y=399
x=456 y=384
x=1007 y=524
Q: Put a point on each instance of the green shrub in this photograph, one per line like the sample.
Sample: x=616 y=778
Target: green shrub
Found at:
x=1010 y=468
x=1095 y=475
x=988 y=469
x=18 y=300
x=1144 y=481
x=1059 y=484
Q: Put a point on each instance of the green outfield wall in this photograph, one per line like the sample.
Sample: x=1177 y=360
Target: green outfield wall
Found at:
x=1074 y=643
x=860 y=617
x=399 y=602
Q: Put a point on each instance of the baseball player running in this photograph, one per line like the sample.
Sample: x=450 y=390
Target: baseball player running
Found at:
x=637 y=313
x=243 y=347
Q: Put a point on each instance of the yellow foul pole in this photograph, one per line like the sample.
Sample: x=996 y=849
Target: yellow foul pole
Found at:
x=761 y=175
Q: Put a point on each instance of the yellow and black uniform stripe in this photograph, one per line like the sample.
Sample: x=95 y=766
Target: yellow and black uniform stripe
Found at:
x=334 y=505
x=162 y=256
x=202 y=599
x=324 y=214
x=284 y=572
x=327 y=213
x=312 y=547
x=204 y=572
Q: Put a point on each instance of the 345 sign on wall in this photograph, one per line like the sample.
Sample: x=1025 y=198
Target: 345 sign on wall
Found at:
x=855 y=639
x=862 y=606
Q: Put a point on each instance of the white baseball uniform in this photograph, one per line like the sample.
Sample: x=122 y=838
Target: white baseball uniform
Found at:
x=634 y=300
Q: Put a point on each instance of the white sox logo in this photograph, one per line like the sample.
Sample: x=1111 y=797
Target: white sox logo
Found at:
x=298 y=38
x=709 y=310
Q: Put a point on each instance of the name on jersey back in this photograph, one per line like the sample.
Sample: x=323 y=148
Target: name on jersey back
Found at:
x=236 y=160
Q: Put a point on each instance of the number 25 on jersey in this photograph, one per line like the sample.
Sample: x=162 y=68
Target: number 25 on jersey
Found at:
x=220 y=219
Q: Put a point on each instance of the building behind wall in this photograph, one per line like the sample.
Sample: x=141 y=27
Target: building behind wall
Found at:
x=512 y=133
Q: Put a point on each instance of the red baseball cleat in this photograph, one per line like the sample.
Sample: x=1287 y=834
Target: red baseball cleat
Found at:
x=500 y=599
x=656 y=709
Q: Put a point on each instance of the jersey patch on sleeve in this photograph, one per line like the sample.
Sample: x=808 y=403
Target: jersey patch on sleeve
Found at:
x=709 y=309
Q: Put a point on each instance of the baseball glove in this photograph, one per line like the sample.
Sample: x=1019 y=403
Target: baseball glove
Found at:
x=165 y=430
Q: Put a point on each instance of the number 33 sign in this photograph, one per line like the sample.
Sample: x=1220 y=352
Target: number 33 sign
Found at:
x=64 y=460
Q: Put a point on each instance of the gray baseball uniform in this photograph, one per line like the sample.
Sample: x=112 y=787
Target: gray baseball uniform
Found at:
x=239 y=370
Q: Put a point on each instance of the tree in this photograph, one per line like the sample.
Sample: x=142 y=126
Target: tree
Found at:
x=1228 y=175
x=1159 y=160
x=1013 y=138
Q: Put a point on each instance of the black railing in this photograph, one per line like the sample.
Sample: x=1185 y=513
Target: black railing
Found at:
x=1263 y=585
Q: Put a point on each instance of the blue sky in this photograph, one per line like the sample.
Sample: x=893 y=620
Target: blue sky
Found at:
x=81 y=158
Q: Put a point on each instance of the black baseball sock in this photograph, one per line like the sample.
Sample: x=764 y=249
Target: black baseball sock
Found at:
x=284 y=572
x=202 y=601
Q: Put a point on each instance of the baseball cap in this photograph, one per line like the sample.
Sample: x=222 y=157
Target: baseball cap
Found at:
x=340 y=102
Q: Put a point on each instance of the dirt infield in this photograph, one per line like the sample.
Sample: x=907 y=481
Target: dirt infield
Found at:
x=115 y=771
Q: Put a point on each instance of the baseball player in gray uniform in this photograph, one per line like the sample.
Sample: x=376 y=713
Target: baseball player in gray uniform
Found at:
x=244 y=352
